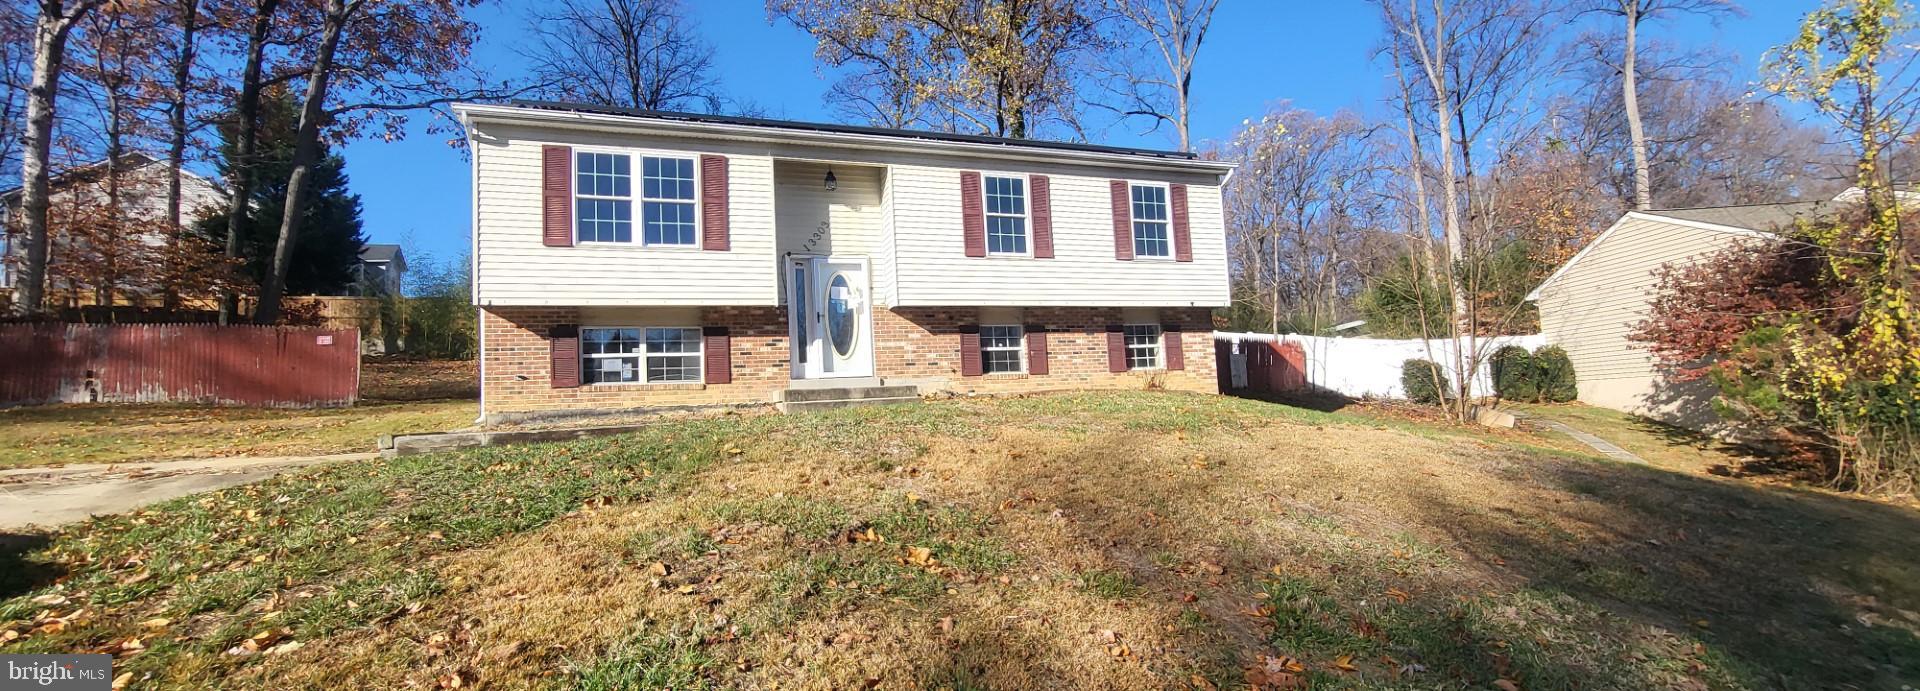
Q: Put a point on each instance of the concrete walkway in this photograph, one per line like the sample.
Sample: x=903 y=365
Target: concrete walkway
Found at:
x=51 y=497
x=1601 y=445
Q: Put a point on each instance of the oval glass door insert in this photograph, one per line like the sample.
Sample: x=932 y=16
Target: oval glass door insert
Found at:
x=840 y=315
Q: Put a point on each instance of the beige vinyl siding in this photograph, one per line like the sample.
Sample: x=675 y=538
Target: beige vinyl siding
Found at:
x=933 y=268
x=515 y=268
x=1593 y=307
x=910 y=230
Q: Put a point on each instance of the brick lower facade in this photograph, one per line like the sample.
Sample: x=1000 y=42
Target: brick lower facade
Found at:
x=911 y=344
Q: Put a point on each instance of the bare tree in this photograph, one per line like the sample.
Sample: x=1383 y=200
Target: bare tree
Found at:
x=1306 y=213
x=259 y=17
x=16 y=53
x=371 y=64
x=52 y=27
x=1154 y=80
x=999 y=68
x=628 y=53
x=1631 y=14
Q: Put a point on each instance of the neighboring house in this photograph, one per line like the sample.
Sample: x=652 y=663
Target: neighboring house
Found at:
x=382 y=270
x=143 y=194
x=633 y=259
x=1597 y=299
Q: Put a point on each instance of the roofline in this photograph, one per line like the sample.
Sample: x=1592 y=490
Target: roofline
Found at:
x=849 y=136
x=1643 y=216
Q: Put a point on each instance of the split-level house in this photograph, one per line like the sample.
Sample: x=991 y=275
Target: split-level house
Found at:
x=634 y=259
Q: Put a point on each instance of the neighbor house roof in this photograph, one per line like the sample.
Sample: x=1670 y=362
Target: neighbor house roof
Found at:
x=1761 y=217
x=1752 y=220
x=379 y=253
x=84 y=171
x=738 y=127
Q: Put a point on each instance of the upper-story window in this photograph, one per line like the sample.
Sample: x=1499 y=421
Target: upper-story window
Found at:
x=1006 y=214
x=604 y=200
x=666 y=200
x=603 y=197
x=1150 y=222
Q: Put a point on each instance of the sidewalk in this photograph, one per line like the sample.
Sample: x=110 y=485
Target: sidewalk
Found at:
x=49 y=497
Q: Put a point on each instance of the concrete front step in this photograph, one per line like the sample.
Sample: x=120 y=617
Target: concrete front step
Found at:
x=830 y=404
x=848 y=393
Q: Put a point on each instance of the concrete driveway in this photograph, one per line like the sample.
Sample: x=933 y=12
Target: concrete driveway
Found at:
x=49 y=497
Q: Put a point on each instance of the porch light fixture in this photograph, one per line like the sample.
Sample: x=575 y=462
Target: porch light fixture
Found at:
x=832 y=182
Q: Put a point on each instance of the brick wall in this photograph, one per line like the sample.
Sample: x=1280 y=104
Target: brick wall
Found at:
x=917 y=344
x=924 y=344
x=516 y=365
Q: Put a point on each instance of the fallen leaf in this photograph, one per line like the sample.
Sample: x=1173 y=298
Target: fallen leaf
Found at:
x=1344 y=663
x=156 y=623
x=1506 y=685
x=659 y=568
x=921 y=556
x=1398 y=595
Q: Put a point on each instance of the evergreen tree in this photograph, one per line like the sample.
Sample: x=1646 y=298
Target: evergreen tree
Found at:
x=328 y=247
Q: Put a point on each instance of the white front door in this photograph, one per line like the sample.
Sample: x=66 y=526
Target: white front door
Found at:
x=830 y=308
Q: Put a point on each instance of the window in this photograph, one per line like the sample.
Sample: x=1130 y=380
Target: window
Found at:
x=1150 y=221
x=660 y=355
x=1006 y=215
x=1000 y=349
x=603 y=197
x=666 y=200
x=1143 y=346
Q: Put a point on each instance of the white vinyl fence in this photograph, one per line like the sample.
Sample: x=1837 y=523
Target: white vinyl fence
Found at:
x=1370 y=367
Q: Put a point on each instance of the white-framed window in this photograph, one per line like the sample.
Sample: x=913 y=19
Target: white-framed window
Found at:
x=1151 y=235
x=667 y=207
x=602 y=197
x=1006 y=198
x=1000 y=349
x=1143 y=346
x=655 y=355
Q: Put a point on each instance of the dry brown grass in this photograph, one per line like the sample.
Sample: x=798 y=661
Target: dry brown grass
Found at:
x=1200 y=523
x=1129 y=541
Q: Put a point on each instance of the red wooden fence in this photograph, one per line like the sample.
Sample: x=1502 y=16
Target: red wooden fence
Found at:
x=1271 y=367
x=185 y=363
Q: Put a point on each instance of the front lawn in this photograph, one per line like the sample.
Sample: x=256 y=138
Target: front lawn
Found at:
x=107 y=433
x=1133 y=540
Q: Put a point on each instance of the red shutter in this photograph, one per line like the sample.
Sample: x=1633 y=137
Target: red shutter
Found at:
x=1036 y=349
x=1042 y=212
x=1182 y=234
x=1116 y=348
x=718 y=353
x=973 y=217
x=1122 y=220
x=563 y=349
x=1170 y=340
x=556 y=196
x=713 y=203
x=970 y=351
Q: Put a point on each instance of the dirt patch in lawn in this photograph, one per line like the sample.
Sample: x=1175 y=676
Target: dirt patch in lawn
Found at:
x=406 y=378
x=1100 y=541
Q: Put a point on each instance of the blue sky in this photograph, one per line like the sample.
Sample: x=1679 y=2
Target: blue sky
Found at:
x=1315 y=53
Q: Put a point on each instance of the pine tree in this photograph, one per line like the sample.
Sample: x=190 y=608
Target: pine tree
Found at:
x=329 y=245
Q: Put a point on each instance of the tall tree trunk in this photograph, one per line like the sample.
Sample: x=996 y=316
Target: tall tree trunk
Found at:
x=306 y=149
x=247 y=112
x=177 y=143
x=50 y=31
x=1434 y=62
x=1630 y=98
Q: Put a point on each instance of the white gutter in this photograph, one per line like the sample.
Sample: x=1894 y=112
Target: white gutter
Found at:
x=469 y=112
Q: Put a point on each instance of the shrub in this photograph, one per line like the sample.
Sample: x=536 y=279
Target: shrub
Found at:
x=1515 y=376
x=1424 y=382
x=1554 y=375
